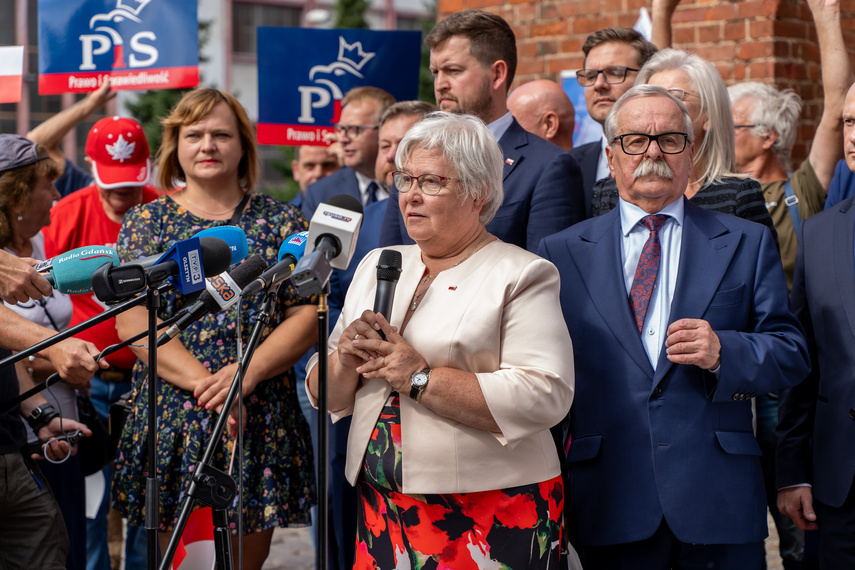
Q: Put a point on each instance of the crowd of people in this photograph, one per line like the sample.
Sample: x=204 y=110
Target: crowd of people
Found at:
x=617 y=355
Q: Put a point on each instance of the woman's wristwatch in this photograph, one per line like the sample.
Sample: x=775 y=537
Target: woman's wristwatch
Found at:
x=418 y=383
x=41 y=416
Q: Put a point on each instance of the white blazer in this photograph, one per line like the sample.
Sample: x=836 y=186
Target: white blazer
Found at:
x=498 y=315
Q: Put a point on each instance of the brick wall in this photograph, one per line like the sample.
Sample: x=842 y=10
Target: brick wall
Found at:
x=772 y=41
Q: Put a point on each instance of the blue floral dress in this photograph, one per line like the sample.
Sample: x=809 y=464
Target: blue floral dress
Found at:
x=278 y=473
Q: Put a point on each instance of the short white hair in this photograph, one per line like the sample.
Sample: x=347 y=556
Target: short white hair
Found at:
x=774 y=110
x=637 y=92
x=468 y=147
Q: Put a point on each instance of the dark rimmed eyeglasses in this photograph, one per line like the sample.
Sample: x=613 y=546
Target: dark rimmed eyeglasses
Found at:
x=612 y=74
x=743 y=127
x=638 y=143
x=428 y=183
x=353 y=131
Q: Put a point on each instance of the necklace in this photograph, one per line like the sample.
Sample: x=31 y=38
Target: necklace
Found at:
x=427 y=278
x=189 y=201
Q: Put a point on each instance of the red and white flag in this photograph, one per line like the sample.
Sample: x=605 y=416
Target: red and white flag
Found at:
x=196 y=548
x=11 y=73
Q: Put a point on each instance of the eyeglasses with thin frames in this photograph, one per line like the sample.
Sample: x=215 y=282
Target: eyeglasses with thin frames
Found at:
x=638 y=143
x=353 y=131
x=743 y=127
x=430 y=184
x=681 y=94
x=613 y=74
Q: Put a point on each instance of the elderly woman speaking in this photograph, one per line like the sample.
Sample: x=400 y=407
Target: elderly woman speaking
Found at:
x=450 y=443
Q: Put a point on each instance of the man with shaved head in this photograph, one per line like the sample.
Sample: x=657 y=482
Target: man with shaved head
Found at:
x=543 y=108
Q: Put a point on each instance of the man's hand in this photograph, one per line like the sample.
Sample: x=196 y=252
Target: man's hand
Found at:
x=692 y=341
x=797 y=503
x=19 y=281
x=74 y=359
x=58 y=450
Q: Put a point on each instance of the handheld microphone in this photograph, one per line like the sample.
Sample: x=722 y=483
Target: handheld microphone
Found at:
x=289 y=254
x=221 y=293
x=71 y=272
x=332 y=240
x=388 y=271
x=186 y=264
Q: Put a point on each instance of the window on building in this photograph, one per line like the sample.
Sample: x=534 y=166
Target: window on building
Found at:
x=247 y=16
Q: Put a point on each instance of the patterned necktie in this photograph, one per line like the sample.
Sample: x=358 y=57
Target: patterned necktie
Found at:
x=647 y=269
x=372 y=193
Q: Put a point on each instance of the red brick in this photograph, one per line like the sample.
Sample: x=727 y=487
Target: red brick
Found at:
x=568 y=9
x=752 y=9
x=693 y=15
x=557 y=65
x=716 y=53
x=614 y=6
x=551 y=29
x=590 y=25
x=738 y=72
x=755 y=50
x=526 y=48
x=685 y=35
x=530 y=66
x=734 y=31
x=710 y=33
x=722 y=12
x=791 y=29
x=759 y=29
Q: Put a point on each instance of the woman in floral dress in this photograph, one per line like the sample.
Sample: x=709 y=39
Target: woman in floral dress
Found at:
x=209 y=143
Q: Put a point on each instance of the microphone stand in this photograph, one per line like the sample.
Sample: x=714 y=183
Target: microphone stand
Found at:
x=209 y=485
x=152 y=491
x=323 y=438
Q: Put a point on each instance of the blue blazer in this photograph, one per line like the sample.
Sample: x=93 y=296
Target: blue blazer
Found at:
x=842 y=185
x=816 y=431
x=676 y=441
x=543 y=194
x=588 y=157
x=342 y=181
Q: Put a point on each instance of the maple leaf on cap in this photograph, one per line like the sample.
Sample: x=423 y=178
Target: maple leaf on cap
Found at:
x=121 y=150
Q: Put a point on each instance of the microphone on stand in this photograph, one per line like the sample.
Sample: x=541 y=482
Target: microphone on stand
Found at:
x=221 y=293
x=388 y=271
x=71 y=272
x=289 y=254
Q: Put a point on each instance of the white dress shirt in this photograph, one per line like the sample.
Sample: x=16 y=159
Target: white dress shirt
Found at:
x=634 y=235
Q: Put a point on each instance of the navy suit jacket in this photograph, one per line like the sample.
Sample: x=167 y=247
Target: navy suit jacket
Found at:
x=816 y=428
x=676 y=441
x=588 y=157
x=842 y=185
x=543 y=194
x=342 y=181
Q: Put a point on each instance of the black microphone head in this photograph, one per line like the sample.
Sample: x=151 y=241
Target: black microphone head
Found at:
x=389 y=266
x=345 y=201
x=216 y=255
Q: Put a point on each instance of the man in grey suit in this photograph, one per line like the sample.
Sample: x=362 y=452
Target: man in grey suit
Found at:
x=473 y=58
x=613 y=57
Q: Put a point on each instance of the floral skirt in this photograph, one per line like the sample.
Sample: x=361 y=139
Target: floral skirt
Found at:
x=516 y=528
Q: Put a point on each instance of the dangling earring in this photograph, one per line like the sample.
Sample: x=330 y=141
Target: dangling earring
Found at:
x=20 y=218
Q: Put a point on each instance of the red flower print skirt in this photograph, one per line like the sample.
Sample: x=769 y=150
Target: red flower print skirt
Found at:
x=508 y=529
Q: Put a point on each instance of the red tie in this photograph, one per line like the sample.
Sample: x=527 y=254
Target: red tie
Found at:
x=647 y=270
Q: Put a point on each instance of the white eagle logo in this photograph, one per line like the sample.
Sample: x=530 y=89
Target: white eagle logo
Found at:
x=121 y=150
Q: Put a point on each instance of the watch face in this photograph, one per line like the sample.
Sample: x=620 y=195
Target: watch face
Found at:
x=420 y=378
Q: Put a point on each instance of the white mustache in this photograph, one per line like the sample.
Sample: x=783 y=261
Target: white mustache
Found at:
x=657 y=167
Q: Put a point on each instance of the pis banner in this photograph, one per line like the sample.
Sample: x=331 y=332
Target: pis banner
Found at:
x=140 y=44
x=304 y=73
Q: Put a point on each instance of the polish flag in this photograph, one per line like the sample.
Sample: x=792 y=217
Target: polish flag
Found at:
x=11 y=73
x=195 y=550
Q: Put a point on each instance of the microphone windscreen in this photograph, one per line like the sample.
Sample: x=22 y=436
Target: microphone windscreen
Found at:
x=294 y=245
x=389 y=266
x=233 y=236
x=72 y=271
x=216 y=255
x=345 y=201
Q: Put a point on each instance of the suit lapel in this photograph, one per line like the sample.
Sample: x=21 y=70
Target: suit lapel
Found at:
x=512 y=143
x=844 y=263
x=599 y=259
x=705 y=254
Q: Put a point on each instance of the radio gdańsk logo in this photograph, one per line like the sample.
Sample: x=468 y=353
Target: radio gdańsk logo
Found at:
x=350 y=61
x=105 y=39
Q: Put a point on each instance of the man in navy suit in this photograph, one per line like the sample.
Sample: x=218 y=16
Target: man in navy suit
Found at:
x=310 y=164
x=664 y=468
x=357 y=132
x=473 y=58
x=613 y=57
x=816 y=426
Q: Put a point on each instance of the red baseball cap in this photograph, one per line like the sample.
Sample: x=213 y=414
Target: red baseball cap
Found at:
x=119 y=153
